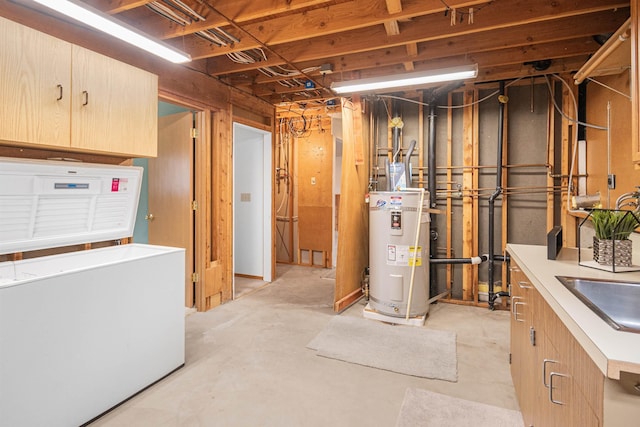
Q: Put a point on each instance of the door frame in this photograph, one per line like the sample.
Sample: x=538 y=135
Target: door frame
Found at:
x=267 y=205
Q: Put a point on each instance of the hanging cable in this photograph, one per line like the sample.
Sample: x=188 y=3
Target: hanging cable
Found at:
x=609 y=87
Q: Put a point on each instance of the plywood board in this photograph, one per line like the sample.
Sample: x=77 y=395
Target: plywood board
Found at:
x=353 y=250
x=314 y=154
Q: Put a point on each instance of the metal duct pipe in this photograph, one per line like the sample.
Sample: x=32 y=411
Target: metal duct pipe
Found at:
x=431 y=185
x=431 y=169
x=502 y=99
x=407 y=162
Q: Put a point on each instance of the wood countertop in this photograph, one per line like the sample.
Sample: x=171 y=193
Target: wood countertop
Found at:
x=612 y=351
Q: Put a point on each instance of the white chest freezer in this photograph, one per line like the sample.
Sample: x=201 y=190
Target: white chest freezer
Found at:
x=81 y=332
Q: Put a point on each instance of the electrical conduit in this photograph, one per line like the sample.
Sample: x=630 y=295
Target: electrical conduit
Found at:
x=415 y=254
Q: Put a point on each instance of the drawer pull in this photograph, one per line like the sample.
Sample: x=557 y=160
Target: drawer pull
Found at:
x=551 y=376
x=85 y=97
x=524 y=285
x=59 y=98
x=544 y=370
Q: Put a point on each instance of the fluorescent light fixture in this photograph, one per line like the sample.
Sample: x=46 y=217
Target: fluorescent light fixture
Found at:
x=407 y=79
x=103 y=22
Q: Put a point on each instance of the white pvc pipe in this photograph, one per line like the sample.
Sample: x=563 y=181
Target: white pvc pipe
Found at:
x=415 y=254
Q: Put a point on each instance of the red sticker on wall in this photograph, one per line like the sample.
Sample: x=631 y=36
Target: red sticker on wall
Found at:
x=115 y=184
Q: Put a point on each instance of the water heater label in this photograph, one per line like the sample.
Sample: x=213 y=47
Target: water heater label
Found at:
x=402 y=255
x=391 y=253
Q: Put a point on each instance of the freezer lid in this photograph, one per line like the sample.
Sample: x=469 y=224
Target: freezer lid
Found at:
x=46 y=203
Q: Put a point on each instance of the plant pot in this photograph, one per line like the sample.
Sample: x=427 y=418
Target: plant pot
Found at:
x=603 y=252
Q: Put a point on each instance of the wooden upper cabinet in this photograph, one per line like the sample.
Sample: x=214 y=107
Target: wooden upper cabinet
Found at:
x=114 y=107
x=35 y=87
x=57 y=95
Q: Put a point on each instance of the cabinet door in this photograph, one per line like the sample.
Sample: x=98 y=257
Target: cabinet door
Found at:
x=35 y=87
x=115 y=106
x=523 y=353
x=572 y=394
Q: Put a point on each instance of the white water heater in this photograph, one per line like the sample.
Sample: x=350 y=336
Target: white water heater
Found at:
x=397 y=266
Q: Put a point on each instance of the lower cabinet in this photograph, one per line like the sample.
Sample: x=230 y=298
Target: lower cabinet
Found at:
x=556 y=382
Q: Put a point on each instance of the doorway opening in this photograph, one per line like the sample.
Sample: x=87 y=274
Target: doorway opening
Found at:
x=252 y=209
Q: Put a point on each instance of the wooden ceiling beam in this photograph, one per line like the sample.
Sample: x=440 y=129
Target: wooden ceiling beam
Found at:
x=341 y=55
x=392 y=28
x=113 y=7
x=311 y=31
x=411 y=53
x=394 y=6
x=332 y=19
x=487 y=71
x=420 y=29
x=581 y=47
x=493 y=74
x=239 y=11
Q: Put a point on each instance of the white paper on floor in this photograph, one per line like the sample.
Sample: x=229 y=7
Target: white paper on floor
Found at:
x=422 y=408
x=408 y=350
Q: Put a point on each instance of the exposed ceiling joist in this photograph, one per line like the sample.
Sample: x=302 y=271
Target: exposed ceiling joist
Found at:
x=274 y=49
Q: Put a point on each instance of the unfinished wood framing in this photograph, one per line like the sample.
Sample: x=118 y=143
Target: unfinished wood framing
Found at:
x=476 y=201
x=449 y=209
x=353 y=227
x=469 y=233
x=568 y=137
x=315 y=196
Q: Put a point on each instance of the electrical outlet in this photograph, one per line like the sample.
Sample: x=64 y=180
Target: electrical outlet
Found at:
x=611 y=181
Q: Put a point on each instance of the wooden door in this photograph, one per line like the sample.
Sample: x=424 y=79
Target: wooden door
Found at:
x=170 y=215
x=114 y=106
x=35 y=87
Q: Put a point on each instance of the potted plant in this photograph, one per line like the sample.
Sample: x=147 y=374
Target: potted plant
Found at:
x=611 y=242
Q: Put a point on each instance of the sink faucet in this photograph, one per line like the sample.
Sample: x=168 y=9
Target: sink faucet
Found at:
x=632 y=198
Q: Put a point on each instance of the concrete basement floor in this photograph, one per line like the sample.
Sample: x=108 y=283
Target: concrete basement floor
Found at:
x=247 y=365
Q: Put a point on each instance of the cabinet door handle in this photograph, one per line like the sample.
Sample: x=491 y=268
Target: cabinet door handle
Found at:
x=514 y=268
x=544 y=370
x=59 y=98
x=513 y=305
x=523 y=284
x=85 y=98
x=551 y=376
x=515 y=310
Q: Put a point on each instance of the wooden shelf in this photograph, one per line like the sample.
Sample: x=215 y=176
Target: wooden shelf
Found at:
x=613 y=57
